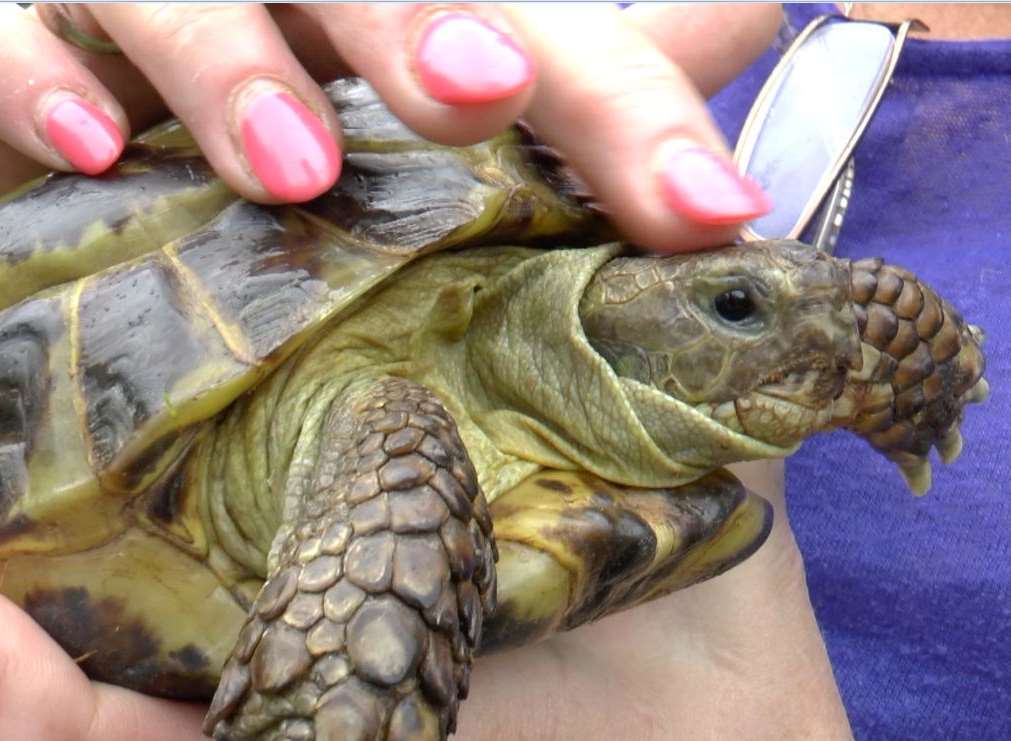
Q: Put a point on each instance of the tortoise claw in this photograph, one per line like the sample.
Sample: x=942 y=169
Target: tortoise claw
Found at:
x=977 y=334
x=950 y=445
x=917 y=472
x=979 y=393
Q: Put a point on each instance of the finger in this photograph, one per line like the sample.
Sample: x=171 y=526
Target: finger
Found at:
x=455 y=76
x=37 y=677
x=225 y=70
x=711 y=42
x=56 y=113
x=142 y=103
x=633 y=125
x=123 y=715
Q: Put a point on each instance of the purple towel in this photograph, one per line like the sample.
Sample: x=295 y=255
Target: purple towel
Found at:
x=913 y=595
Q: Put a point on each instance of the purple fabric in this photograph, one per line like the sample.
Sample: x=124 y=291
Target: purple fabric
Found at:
x=913 y=595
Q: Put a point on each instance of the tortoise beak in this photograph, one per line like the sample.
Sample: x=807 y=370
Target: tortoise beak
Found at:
x=852 y=357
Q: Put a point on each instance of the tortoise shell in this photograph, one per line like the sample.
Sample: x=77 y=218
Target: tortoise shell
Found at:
x=157 y=296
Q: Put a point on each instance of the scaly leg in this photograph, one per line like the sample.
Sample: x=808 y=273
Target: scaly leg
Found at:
x=378 y=583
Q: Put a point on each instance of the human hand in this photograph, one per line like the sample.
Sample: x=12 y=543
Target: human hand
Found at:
x=736 y=656
x=619 y=93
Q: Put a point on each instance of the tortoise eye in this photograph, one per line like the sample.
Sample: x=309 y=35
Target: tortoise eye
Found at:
x=734 y=305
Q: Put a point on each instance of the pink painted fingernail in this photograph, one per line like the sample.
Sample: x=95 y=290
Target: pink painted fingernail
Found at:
x=705 y=187
x=290 y=150
x=462 y=59
x=83 y=135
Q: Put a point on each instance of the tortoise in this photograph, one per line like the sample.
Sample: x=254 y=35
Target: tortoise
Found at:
x=238 y=459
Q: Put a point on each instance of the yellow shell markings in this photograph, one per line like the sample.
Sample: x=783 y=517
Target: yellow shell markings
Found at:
x=197 y=394
x=74 y=335
x=170 y=407
x=229 y=329
x=100 y=244
x=170 y=135
x=219 y=377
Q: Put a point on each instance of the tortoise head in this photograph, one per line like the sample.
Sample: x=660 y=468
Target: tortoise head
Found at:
x=777 y=341
x=759 y=337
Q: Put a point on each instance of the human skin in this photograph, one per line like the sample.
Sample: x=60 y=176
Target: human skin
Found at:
x=738 y=655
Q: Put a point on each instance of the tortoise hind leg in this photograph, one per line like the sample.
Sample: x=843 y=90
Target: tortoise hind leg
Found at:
x=378 y=583
x=574 y=548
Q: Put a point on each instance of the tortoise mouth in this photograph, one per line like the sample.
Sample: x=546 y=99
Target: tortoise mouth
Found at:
x=811 y=382
x=776 y=420
x=787 y=404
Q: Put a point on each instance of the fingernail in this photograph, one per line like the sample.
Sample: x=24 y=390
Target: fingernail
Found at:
x=288 y=147
x=461 y=59
x=705 y=187
x=83 y=135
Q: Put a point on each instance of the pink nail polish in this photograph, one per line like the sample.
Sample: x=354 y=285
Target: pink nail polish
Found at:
x=83 y=135
x=704 y=187
x=461 y=59
x=289 y=148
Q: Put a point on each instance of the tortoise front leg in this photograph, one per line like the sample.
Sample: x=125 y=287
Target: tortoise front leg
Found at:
x=378 y=583
x=574 y=548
